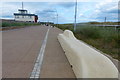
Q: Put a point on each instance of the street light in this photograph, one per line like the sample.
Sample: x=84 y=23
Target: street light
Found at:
x=75 y=16
x=104 y=22
x=57 y=15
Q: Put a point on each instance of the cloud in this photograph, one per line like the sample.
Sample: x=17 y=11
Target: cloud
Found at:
x=58 y=0
x=7 y=10
x=66 y=4
x=105 y=9
x=46 y=14
x=48 y=11
x=113 y=11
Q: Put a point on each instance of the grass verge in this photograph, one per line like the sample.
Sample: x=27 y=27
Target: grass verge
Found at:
x=105 y=39
x=7 y=24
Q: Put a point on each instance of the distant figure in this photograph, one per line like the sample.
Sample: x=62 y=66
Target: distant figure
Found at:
x=46 y=24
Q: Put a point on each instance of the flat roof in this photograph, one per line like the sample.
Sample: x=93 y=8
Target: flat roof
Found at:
x=25 y=14
x=22 y=10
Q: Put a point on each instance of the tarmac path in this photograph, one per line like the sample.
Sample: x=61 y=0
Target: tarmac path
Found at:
x=21 y=48
x=55 y=63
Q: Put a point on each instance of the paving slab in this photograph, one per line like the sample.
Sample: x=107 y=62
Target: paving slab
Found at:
x=55 y=63
x=20 y=50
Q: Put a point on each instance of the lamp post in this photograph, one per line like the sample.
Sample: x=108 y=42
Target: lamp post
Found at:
x=57 y=16
x=105 y=22
x=57 y=19
x=75 y=15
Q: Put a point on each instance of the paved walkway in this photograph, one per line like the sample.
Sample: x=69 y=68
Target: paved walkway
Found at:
x=55 y=63
x=21 y=48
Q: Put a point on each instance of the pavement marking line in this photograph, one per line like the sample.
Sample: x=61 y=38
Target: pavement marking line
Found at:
x=38 y=64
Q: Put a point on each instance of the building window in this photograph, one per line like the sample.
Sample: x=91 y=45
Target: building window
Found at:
x=16 y=16
x=30 y=16
x=22 y=16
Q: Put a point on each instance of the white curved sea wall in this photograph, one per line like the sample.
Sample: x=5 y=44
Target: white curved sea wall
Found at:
x=86 y=62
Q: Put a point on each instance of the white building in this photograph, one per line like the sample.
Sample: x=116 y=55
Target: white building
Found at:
x=23 y=15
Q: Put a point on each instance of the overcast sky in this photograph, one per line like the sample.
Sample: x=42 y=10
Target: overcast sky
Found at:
x=47 y=11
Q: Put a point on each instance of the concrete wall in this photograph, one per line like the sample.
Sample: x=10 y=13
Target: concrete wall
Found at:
x=86 y=61
x=26 y=18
